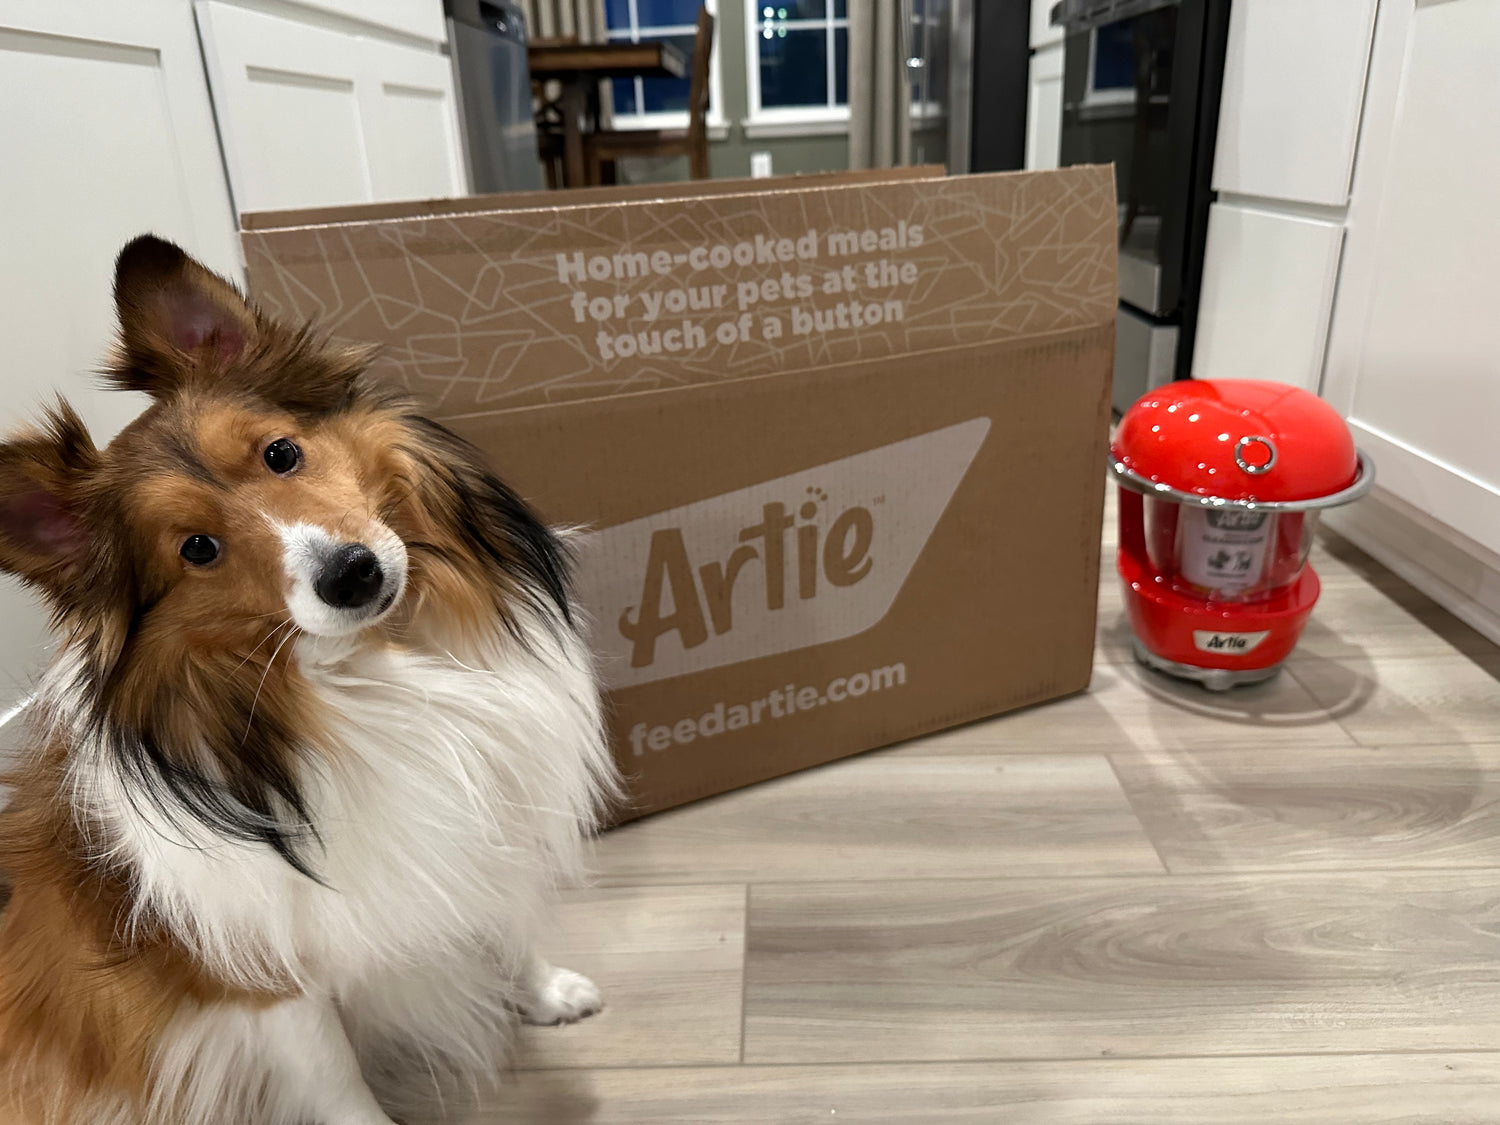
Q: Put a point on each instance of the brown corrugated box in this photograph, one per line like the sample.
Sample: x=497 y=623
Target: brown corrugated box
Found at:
x=880 y=521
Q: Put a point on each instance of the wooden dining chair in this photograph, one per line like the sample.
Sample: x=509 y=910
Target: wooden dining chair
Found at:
x=608 y=145
x=548 y=114
x=549 y=139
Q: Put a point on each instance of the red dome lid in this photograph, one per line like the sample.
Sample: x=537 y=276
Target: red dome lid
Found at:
x=1238 y=439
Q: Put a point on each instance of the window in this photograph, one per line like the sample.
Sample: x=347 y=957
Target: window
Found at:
x=797 y=63
x=653 y=103
x=797 y=52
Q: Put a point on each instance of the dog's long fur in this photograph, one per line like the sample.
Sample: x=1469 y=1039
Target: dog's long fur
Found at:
x=263 y=862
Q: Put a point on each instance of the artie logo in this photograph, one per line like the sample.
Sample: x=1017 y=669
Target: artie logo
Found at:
x=804 y=559
x=1207 y=640
x=669 y=573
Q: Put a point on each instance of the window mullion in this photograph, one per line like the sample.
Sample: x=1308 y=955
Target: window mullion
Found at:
x=828 y=51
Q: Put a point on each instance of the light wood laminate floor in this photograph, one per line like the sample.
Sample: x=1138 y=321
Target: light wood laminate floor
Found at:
x=1145 y=903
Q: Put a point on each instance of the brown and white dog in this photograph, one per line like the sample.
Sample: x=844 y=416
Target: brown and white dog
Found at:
x=320 y=740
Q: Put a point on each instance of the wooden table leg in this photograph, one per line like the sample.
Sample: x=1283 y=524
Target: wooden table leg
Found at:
x=574 y=106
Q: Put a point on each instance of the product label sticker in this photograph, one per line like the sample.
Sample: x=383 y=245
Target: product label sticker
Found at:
x=1224 y=550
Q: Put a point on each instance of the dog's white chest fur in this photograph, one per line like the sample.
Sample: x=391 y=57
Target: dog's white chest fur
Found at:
x=449 y=799
x=454 y=800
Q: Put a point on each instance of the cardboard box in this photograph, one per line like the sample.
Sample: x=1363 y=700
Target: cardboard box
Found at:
x=837 y=440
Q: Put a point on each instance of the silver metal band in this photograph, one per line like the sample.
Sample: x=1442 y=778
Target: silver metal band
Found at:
x=1129 y=478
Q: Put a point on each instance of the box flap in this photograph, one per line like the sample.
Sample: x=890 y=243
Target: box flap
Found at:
x=498 y=310
x=573 y=197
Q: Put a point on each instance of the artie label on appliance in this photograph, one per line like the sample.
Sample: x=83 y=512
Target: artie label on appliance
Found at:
x=803 y=559
x=1223 y=549
x=1209 y=641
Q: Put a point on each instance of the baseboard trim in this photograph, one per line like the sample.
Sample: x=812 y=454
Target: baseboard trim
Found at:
x=1459 y=574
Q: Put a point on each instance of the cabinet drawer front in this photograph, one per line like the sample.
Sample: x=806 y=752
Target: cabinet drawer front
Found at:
x=1294 y=80
x=1267 y=297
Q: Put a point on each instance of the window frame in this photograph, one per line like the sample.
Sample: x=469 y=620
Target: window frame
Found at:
x=676 y=119
x=792 y=121
x=925 y=114
x=761 y=121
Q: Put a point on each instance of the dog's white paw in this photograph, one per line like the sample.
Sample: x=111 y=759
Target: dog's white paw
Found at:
x=561 y=996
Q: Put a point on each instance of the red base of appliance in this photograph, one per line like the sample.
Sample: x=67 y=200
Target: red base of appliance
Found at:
x=1218 y=643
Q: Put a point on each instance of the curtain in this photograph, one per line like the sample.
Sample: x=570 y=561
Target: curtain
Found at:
x=557 y=19
x=879 y=91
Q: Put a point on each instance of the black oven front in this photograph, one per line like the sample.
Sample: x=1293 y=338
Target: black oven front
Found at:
x=1141 y=84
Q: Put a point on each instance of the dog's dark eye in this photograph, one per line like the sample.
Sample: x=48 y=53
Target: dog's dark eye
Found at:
x=282 y=456
x=200 y=550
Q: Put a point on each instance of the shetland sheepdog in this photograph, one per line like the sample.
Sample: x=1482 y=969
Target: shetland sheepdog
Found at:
x=320 y=740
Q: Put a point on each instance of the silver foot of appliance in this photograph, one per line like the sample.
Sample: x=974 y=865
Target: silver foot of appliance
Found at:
x=1214 y=679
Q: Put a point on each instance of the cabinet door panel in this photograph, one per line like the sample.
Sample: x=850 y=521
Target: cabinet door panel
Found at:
x=1044 y=108
x=288 y=109
x=1414 y=355
x=1043 y=33
x=1293 y=83
x=1268 y=283
x=422 y=18
x=411 y=118
x=107 y=133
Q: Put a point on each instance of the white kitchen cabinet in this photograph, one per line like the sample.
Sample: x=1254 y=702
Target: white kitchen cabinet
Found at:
x=1414 y=350
x=107 y=133
x=288 y=109
x=420 y=18
x=1042 y=33
x=1267 y=295
x=1044 y=108
x=314 y=115
x=1044 y=89
x=411 y=113
x=1294 y=80
x=1289 y=115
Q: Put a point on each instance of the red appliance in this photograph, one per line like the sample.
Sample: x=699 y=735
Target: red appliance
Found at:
x=1221 y=483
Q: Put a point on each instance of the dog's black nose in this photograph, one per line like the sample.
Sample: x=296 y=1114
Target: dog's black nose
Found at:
x=350 y=578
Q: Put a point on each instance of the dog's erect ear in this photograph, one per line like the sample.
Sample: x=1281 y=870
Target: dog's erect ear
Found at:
x=44 y=537
x=178 y=318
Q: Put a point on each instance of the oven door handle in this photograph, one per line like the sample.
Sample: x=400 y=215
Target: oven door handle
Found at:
x=1085 y=15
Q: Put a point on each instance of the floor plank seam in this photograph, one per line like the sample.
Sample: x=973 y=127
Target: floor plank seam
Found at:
x=1343 y=869
x=1468 y=743
x=1027 y=1060
x=1332 y=716
x=744 y=970
x=1216 y=875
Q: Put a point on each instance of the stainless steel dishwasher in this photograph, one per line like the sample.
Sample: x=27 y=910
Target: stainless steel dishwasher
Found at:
x=488 y=41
